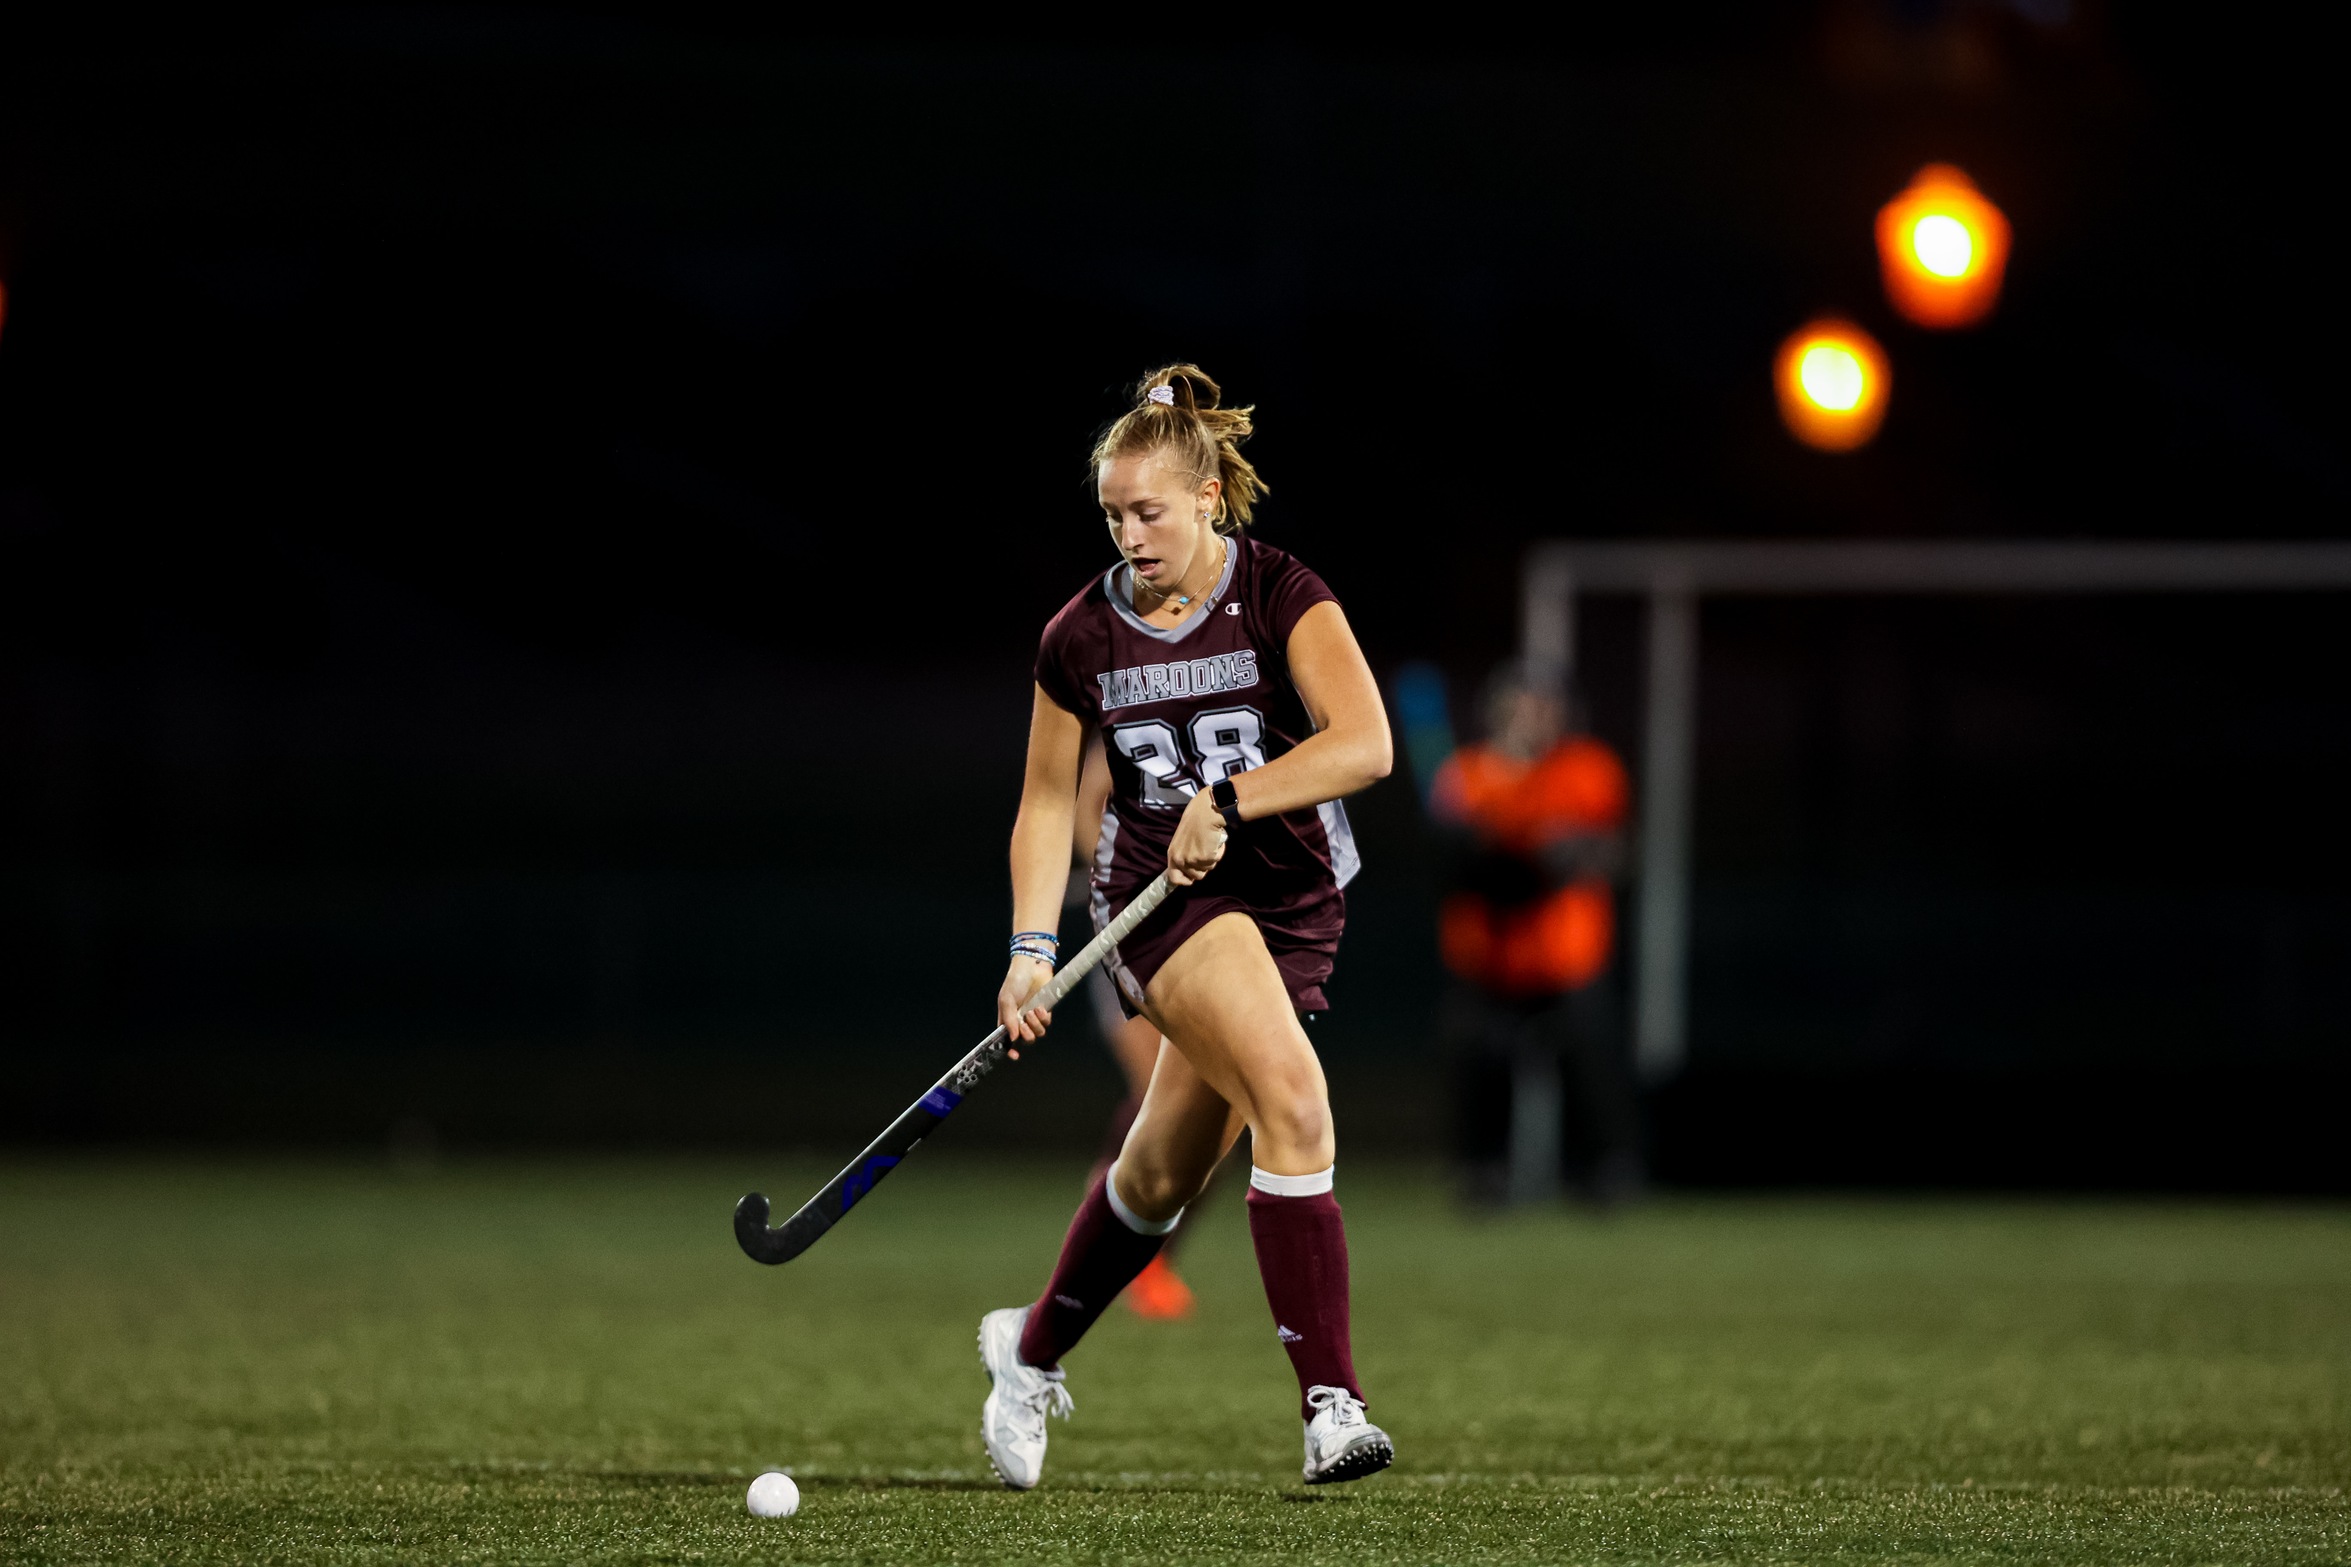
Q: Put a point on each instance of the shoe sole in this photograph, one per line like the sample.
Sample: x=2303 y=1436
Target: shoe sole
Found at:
x=1368 y=1459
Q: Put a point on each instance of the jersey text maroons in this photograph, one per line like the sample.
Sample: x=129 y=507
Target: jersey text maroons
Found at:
x=1180 y=708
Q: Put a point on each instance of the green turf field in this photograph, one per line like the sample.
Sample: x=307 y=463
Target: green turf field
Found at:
x=568 y=1362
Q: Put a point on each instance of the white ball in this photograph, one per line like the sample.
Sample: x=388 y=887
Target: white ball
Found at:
x=773 y=1495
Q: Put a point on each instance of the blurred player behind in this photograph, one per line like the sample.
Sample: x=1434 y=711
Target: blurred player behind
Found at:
x=1529 y=929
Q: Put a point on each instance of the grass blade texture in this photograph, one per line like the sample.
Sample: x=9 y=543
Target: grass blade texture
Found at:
x=570 y=1362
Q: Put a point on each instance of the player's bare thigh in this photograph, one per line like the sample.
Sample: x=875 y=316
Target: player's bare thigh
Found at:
x=1221 y=1002
x=1183 y=1130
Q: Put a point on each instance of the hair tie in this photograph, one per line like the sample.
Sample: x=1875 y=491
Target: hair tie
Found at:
x=1164 y=395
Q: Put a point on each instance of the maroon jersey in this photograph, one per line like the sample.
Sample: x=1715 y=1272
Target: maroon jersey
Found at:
x=1182 y=707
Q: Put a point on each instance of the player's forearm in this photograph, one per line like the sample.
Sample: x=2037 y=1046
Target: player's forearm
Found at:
x=1350 y=748
x=1040 y=863
x=1041 y=833
x=1328 y=766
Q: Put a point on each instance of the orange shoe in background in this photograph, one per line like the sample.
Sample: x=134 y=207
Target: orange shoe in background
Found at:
x=1159 y=1294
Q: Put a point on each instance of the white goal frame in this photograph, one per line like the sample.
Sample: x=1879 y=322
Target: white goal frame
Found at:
x=1674 y=576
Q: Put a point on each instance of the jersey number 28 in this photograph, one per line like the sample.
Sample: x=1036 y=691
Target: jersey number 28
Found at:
x=1228 y=740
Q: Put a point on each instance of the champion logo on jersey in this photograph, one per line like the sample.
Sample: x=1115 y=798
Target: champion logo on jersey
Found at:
x=1192 y=677
x=1232 y=609
x=1289 y=1337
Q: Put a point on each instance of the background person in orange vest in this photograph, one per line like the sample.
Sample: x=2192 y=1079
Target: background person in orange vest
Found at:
x=1537 y=814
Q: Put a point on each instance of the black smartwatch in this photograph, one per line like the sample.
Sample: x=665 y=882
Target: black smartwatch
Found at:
x=1228 y=804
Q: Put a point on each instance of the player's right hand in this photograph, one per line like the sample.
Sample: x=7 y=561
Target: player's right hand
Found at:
x=1023 y=979
x=1198 y=843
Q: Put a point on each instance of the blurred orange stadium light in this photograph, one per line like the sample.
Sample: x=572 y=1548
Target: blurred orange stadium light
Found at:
x=1832 y=379
x=1943 y=248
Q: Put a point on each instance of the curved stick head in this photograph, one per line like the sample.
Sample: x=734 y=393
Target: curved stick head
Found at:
x=781 y=1243
x=759 y=1243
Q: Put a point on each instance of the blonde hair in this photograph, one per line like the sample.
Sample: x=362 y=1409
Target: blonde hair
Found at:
x=1198 y=437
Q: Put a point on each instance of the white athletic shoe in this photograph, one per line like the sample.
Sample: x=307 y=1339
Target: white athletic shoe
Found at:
x=1012 y=1421
x=1340 y=1443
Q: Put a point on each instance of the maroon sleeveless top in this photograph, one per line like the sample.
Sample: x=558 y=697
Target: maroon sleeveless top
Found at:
x=1181 y=707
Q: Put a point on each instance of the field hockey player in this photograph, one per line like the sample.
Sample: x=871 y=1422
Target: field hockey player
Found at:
x=1235 y=710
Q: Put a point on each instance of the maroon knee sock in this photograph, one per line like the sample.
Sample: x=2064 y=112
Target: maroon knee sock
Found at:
x=1099 y=1257
x=1302 y=1254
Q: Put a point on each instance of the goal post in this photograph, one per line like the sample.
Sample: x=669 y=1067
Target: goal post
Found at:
x=1675 y=578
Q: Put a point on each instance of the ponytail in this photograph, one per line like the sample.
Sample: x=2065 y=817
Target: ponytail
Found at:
x=1176 y=412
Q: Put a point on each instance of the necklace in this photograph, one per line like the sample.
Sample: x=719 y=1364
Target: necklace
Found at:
x=1183 y=601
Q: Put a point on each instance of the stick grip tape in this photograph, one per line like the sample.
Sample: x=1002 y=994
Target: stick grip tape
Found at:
x=1065 y=978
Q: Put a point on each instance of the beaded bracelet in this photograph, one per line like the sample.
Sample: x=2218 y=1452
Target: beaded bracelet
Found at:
x=1037 y=945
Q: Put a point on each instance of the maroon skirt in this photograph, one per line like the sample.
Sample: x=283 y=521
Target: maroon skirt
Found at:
x=1301 y=934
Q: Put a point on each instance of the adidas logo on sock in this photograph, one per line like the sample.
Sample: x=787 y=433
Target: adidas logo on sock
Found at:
x=1071 y=1301
x=1289 y=1337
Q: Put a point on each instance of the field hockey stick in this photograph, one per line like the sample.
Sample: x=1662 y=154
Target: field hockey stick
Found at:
x=819 y=1213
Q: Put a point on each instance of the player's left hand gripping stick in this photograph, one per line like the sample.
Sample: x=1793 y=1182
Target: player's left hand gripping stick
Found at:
x=795 y=1235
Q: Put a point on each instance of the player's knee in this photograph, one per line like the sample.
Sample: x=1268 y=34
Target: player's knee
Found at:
x=1296 y=1117
x=1153 y=1190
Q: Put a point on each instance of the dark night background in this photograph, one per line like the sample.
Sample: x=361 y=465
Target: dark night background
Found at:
x=522 y=534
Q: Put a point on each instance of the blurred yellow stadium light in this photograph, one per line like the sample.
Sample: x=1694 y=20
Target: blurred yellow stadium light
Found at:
x=1943 y=249
x=1832 y=379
